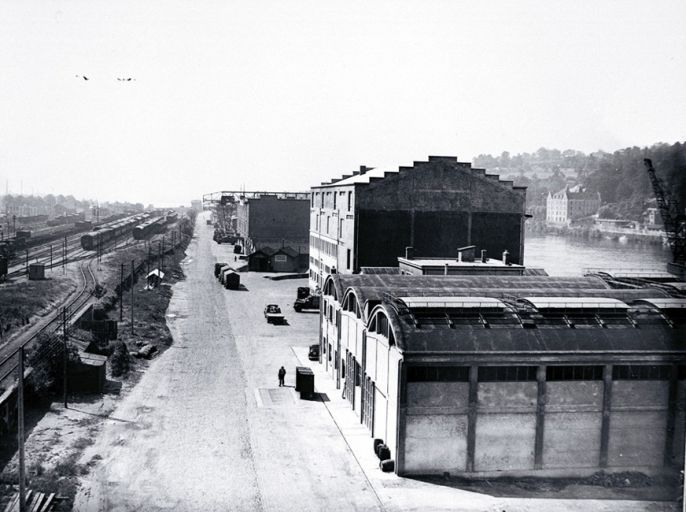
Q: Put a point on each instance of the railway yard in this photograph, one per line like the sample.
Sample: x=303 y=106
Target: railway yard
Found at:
x=79 y=271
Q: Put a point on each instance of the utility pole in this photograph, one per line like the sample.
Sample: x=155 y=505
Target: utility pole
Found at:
x=121 y=293
x=27 y=262
x=50 y=257
x=65 y=359
x=20 y=431
x=132 y=287
x=148 y=273
x=66 y=253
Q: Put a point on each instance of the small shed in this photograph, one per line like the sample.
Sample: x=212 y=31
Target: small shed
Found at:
x=284 y=259
x=154 y=278
x=36 y=271
x=88 y=375
x=218 y=267
x=259 y=261
x=223 y=271
x=232 y=280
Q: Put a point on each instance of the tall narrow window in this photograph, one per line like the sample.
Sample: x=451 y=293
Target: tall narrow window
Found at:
x=350 y=200
x=335 y=194
x=348 y=259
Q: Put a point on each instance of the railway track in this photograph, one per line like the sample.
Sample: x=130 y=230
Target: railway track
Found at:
x=9 y=352
x=41 y=254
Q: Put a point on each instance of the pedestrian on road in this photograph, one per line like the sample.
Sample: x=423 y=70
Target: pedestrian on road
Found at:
x=282 y=376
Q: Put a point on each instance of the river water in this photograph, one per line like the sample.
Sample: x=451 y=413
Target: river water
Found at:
x=560 y=255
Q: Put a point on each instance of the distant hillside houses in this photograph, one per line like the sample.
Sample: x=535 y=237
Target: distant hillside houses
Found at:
x=571 y=203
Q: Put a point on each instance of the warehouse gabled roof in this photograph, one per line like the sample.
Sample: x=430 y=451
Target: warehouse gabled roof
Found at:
x=360 y=178
x=372 y=174
x=571 y=303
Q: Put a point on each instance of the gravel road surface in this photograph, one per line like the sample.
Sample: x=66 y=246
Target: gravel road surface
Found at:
x=208 y=428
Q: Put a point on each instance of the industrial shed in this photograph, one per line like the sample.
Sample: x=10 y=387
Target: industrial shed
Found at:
x=478 y=377
x=283 y=259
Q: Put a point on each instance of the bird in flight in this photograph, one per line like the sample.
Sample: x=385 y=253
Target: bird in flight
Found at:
x=126 y=79
x=82 y=76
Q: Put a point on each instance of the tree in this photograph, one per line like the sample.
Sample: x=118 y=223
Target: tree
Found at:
x=45 y=358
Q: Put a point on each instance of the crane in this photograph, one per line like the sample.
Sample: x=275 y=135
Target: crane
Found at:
x=672 y=218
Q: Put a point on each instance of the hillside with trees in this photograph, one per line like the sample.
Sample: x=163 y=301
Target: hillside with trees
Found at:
x=620 y=177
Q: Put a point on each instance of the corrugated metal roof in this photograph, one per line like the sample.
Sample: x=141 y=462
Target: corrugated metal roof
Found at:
x=379 y=270
x=663 y=303
x=455 y=283
x=535 y=272
x=476 y=339
x=452 y=302
x=545 y=302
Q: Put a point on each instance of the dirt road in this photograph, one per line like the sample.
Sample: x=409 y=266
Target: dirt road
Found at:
x=208 y=428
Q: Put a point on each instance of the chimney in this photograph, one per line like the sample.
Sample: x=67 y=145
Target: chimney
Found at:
x=409 y=253
x=445 y=269
x=505 y=255
x=363 y=169
x=466 y=253
x=483 y=255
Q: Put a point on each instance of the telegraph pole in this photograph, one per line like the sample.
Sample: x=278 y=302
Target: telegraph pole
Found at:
x=132 y=287
x=50 y=257
x=66 y=251
x=121 y=293
x=148 y=273
x=20 y=431
x=27 y=262
x=66 y=356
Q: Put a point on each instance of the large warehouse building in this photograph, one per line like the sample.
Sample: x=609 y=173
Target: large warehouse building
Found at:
x=274 y=221
x=369 y=218
x=507 y=374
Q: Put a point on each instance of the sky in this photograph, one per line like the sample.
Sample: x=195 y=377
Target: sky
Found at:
x=282 y=95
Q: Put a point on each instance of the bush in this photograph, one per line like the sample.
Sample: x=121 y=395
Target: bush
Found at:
x=46 y=361
x=121 y=359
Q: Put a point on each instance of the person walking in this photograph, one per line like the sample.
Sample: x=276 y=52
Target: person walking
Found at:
x=282 y=376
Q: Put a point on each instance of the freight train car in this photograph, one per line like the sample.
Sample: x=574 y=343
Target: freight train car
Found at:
x=150 y=227
x=172 y=217
x=108 y=232
x=66 y=219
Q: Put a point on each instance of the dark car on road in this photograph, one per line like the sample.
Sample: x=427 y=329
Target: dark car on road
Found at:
x=309 y=302
x=272 y=313
x=313 y=355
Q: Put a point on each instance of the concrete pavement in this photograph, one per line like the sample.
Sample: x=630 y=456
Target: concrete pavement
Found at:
x=193 y=435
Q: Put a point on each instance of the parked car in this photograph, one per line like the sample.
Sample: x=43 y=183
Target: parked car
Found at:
x=309 y=302
x=313 y=355
x=272 y=312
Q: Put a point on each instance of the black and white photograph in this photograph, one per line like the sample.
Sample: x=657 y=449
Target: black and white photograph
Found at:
x=309 y=255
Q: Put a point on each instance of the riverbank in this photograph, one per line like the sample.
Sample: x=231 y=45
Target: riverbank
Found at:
x=623 y=235
x=571 y=255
